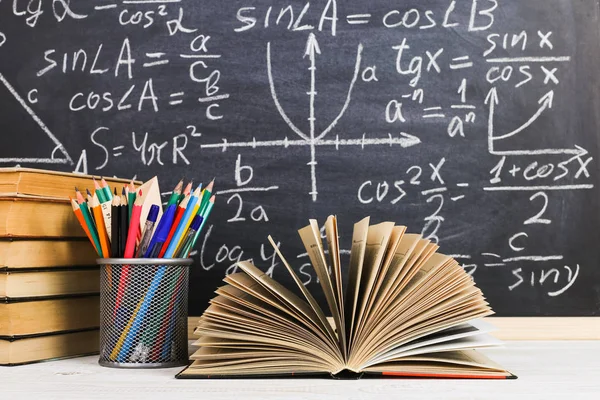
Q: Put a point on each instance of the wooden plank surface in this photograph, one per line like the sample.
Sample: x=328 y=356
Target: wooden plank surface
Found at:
x=546 y=370
x=524 y=328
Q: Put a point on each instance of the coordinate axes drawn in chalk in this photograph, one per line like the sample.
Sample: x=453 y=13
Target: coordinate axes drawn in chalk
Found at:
x=53 y=159
x=546 y=103
x=313 y=140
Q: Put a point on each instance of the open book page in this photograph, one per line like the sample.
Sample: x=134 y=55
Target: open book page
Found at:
x=357 y=255
x=247 y=319
x=413 y=270
x=311 y=238
x=333 y=246
x=285 y=295
x=459 y=309
x=377 y=292
x=398 y=266
x=414 y=309
x=322 y=319
x=462 y=363
x=378 y=238
x=464 y=330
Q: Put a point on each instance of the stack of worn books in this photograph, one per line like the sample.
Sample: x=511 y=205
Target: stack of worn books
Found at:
x=49 y=281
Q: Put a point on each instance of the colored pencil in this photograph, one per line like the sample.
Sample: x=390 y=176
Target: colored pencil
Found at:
x=178 y=215
x=85 y=225
x=186 y=220
x=209 y=208
x=206 y=196
x=123 y=224
x=115 y=228
x=176 y=193
x=189 y=236
x=107 y=194
x=103 y=236
x=131 y=197
x=134 y=224
x=186 y=192
x=99 y=191
x=129 y=252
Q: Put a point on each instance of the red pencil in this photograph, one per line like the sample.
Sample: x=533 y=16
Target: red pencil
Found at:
x=134 y=224
x=178 y=215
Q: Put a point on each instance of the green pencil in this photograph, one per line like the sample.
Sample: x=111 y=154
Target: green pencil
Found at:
x=107 y=194
x=176 y=193
x=99 y=191
x=205 y=198
x=205 y=215
x=130 y=197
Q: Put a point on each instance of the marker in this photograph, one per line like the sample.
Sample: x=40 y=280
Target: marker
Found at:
x=148 y=228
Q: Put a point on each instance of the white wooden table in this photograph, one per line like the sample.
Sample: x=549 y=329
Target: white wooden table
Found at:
x=546 y=370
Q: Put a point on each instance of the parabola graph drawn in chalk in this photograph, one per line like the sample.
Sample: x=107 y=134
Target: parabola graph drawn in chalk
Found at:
x=58 y=146
x=312 y=139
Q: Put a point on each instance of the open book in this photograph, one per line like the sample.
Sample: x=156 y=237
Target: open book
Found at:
x=407 y=311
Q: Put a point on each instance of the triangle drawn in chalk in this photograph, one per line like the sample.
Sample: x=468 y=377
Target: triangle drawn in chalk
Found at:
x=58 y=155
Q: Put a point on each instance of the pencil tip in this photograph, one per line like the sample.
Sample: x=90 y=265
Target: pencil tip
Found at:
x=77 y=190
x=88 y=192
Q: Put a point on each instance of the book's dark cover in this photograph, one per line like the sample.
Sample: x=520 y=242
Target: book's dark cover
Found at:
x=343 y=375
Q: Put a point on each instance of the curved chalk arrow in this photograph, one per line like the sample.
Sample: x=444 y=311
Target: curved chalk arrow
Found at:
x=546 y=103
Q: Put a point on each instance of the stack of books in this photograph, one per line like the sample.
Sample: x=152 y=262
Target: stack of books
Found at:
x=49 y=280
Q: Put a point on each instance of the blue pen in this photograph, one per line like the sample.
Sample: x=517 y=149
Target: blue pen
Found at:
x=148 y=228
x=162 y=232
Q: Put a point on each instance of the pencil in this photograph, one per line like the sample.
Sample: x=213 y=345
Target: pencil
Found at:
x=99 y=191
x=131 y=197
x=107 y=194
x=84 y=224
x=97 y=210
x=186 y=220
x=178 y=215
x=189 y=213
x=206 y=196
x=176 y=193
x=123 y=224
x=116 y=224
x=209 y=208
x=186 y=192
x=129 y=252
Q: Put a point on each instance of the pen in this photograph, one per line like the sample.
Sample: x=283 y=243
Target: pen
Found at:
x=148 y=228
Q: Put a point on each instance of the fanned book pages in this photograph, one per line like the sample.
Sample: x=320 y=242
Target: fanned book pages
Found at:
x=407 y=311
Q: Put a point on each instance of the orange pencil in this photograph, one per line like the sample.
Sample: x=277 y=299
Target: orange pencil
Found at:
x=104 y=241
x=84 y=225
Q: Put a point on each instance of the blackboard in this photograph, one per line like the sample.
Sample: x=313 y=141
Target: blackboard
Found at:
x=474 y=122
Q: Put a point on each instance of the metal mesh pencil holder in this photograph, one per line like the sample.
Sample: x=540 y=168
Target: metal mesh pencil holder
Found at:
x=143 y=312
